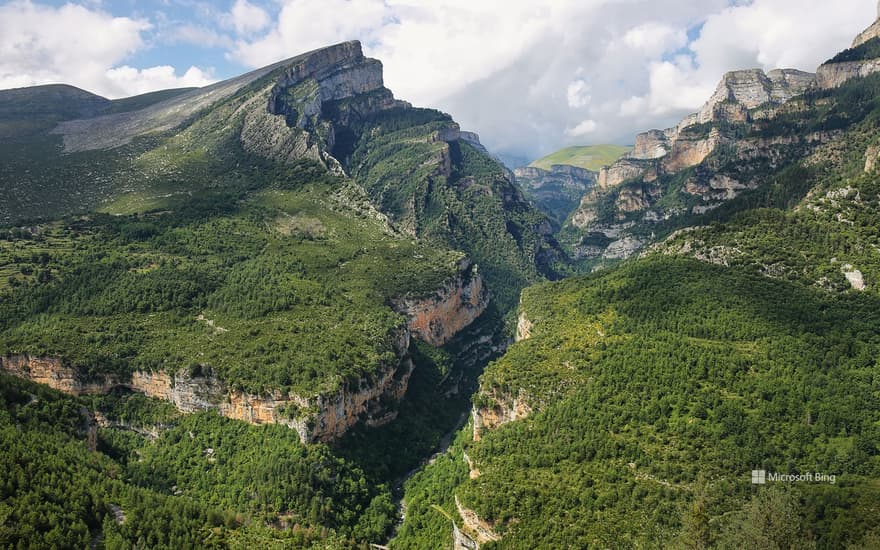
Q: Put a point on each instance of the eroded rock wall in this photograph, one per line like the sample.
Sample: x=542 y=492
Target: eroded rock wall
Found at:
x=315 y=418
x=438 y=317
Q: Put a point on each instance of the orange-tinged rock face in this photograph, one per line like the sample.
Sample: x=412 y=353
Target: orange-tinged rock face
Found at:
x=324 y=417
x=437 y=318
x=506 y=409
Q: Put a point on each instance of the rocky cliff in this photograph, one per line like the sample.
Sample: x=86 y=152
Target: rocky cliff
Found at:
x=434 y=318
x=628 y=191
x=834 y=74
x=315 y=418
x=862 y=59
x=300 y=112
x=871 y=32
x=502 y=408
x=474 y=531
x=438 y=317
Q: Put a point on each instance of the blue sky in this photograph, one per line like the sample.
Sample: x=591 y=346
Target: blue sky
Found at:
x=529 y=77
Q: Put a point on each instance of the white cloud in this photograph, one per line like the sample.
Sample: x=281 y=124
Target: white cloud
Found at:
x=247 y=18
x=584 y=128
x=77 y=45
x=578 y=94
x=655 y=38
x=530 y=77
x=139 y=81
x=304 y=25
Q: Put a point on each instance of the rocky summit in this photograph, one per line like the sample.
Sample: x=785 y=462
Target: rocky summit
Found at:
x=674 y=175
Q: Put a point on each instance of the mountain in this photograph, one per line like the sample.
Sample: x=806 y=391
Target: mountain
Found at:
x=556 y=191
x=588 y=157
x=293 y=248
x=556 y=183
x=719 y=158
x=716 y=389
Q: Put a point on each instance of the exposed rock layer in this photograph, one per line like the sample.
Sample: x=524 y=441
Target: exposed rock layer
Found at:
x=436 y=318
x=316 y=418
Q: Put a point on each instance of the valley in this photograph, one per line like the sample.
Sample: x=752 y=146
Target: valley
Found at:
x=290 y=310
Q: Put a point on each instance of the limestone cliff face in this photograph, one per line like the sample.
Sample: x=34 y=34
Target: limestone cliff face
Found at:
x=504 y=409
x=320 y=417
x=871 y=32
x=52 y=372
x=315 y=418
x=833 y=75
x=436 y=318
x=741 y=91
x=652 y=144
x=523 y=327
x=690 y=151
x=474 y=529
x=298 y=114
x=625 y=169
x=634 y=184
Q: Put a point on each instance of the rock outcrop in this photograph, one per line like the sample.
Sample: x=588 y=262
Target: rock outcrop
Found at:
x=299 y=114
x=503 y=409
x=436 y=318
x=625 y=169
x=652 y=144
x=635 y=183
x=833 y=75
x=859 y=61
x=870 y=33
x=523 y=327
x=474 y=529
x=741 y=91
x=315 y=418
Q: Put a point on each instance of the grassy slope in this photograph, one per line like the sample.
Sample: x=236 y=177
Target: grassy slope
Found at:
x=591 y=157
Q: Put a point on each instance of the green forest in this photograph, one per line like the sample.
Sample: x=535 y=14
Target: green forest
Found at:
x=657 y=388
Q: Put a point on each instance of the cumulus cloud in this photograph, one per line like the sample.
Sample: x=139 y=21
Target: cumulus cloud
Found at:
x=653 y=37
x=586 y=127
x=532 y=77
x=578 y=94
x=78 y=45
x=247 y=18
x=139 y=81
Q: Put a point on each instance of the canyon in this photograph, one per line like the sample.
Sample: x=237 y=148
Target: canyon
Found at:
x=433 y=319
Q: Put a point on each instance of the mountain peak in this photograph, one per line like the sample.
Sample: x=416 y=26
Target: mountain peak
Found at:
x=107 y=132
x=871 y=32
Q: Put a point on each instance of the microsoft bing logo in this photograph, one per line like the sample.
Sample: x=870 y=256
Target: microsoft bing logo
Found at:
x=759 y=477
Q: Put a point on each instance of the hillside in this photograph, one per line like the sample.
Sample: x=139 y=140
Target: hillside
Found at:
x=638 y=400
x=588 y=157
x=290 y=310
x=293 y=248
